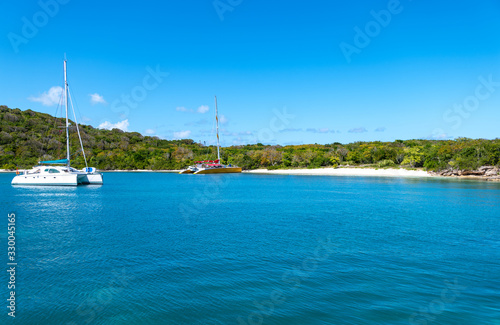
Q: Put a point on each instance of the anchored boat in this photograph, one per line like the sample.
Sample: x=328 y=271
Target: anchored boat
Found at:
x=212 y=166
x=57 y=175
x=47 y=174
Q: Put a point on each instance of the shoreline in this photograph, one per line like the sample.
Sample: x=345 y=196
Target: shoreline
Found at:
x=116 y=171
x=347 y=171
x=369 y=172
x=342 y=171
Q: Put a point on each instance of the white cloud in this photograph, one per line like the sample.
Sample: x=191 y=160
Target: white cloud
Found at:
x=223 y=119
x=203 y=109
x=123 y=125
x=149 y=131
x=320 y=130
x=182 y=134
x=439 y=134
x=294 y=130
x=96 y=99
x=225 y=132
x=182 y=109
x=358 y=130
x=49 y=98
x=238 y=141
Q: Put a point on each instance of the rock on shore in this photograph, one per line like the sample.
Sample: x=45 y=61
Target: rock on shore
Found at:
x=490 y=173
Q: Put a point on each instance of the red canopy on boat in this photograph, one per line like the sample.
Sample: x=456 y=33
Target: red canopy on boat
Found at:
x=207 y=161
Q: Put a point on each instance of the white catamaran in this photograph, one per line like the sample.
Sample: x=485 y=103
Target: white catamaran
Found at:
x=212 y=166
x=46 y=174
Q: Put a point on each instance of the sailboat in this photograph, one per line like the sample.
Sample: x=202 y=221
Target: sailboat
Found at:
x=212 y=166
x=46 y=173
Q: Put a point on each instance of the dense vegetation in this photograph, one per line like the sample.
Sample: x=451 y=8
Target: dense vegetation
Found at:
x=27 y=137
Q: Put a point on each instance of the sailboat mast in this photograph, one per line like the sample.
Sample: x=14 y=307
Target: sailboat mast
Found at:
x=67 y=121
x=217 y=122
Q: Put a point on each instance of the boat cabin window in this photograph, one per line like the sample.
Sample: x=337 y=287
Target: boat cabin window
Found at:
x=53 y=171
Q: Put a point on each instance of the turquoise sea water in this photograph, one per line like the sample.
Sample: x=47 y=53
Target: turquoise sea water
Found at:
x=159 y=248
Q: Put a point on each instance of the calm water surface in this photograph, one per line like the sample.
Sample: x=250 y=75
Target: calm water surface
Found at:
x=159 y=248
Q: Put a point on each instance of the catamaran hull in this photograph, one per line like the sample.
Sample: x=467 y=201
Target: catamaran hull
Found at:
x=225 y=170
x=59 y=180
x=186 y=171
x=90 y=179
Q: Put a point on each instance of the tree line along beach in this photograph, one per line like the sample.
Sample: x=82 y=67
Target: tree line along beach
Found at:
x=27 y=136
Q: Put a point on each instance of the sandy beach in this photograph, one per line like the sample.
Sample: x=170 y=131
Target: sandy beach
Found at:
x=319 y=172
x=346 y=171
x=391 y=172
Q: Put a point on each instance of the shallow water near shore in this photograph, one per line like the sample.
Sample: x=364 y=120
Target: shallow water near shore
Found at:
x=163 y=248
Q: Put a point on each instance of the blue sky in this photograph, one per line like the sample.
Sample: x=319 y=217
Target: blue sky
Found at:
x=284 y=72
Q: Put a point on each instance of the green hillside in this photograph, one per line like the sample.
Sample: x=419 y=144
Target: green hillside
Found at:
x=27 y=137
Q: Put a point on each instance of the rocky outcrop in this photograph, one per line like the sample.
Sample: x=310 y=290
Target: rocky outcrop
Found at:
x=486 y=172
x=491 y=172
